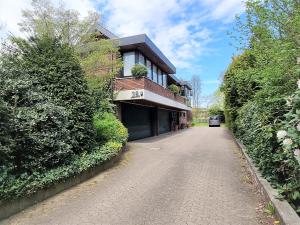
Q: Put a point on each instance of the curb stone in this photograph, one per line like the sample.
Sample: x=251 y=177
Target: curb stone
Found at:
x=8 y=209
x=283 y=210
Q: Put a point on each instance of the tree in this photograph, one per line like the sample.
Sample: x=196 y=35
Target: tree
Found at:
x=46 y=20
x=100 y=59
x=43 y=86
x=196 y=84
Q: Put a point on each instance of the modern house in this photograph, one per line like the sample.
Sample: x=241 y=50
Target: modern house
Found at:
x=145 y=105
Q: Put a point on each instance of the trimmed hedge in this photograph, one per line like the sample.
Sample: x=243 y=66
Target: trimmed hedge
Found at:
x=13 y=187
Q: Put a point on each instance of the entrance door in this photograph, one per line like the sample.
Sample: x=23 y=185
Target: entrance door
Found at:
x=137 y=119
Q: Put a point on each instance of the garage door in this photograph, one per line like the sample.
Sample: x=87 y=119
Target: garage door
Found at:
x=137 y=119
x=164 y=121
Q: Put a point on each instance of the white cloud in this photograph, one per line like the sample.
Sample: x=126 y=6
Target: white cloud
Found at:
x=176 y=26
x=224 y=9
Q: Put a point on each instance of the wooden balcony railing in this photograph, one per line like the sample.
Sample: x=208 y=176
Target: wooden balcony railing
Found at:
x=132 y=83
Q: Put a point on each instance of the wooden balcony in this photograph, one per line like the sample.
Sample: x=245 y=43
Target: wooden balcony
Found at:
x=131 y=83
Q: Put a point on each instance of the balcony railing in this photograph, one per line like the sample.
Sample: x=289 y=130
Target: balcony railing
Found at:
x=132 y=83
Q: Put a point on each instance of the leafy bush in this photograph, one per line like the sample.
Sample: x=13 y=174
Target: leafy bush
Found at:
x=6 y=141
x=51 y=110
x=215 y=110
x=139 y=70
x=109 y=128
x=256 y=85
x=289 y=139
x=174 y=88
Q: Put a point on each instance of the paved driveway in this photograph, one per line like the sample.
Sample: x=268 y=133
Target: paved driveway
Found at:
x=191 y=177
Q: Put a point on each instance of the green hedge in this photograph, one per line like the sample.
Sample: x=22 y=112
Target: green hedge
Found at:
x=43 y=90
x=13 y=187
x=256 y=86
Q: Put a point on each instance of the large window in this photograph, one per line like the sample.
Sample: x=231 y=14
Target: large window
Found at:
x=141 y=59
x=165 y=80
x=155 y=73
x=160 y=81
x=129 y=61
x=149 y=68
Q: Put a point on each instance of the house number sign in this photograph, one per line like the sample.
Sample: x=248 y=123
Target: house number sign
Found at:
x=136 y=94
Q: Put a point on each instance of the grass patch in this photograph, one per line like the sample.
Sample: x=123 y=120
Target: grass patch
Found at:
x=203 y=124
x=198 y=124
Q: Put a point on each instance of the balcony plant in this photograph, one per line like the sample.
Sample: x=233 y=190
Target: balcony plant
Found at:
x=174 y=88
x=139 y=70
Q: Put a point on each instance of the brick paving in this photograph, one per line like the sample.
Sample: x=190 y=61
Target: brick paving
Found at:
x=192 y=177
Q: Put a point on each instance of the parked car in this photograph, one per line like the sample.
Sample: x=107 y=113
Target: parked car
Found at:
x=214 y=121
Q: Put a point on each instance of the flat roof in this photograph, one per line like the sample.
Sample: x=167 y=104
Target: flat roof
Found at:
x=186 y=83
x=143 y=43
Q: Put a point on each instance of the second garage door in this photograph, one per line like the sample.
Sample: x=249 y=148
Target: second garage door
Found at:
x=137 y=120
x=164 y=121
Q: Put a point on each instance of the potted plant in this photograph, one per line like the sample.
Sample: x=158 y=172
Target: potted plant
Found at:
x=139 y=70
x=174 y=88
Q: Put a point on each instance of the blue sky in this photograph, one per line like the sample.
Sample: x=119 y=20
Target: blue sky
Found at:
x=191 y=33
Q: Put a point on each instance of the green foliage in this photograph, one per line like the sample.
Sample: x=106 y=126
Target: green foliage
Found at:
x=109 y=128
x=43 y=86
x=47 y=104
x=139 y=70
x=13 y=187
x=215 y=110
x=44 y=20
x=256 y=85
x=6 y=141
x=270 y=209
x=289 y=152
x=175 y=89
x=101 y=62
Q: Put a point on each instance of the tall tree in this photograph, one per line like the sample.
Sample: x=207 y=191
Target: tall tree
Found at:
x=100 y=59
x=196 y=84
x=46 y=20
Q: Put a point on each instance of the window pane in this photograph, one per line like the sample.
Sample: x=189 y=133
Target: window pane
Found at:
x=159 y=77
x=154 y=73
x=165 y=80
x=129 y=61
x=149 y=75
x=141 y=59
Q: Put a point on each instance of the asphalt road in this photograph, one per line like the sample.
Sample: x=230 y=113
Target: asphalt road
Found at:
x=191 y=177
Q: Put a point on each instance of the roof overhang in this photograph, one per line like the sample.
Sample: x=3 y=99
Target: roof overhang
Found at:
x=143 y=44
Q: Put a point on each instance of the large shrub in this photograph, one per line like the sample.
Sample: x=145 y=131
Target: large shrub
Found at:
x=43 y=85
x=139 y=70
x=289 y=139
x=109 y=128
x=256 y=85
x=174 y=88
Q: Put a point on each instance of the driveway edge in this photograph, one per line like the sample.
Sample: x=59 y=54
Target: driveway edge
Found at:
x=283 y=209
x=8 y=209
